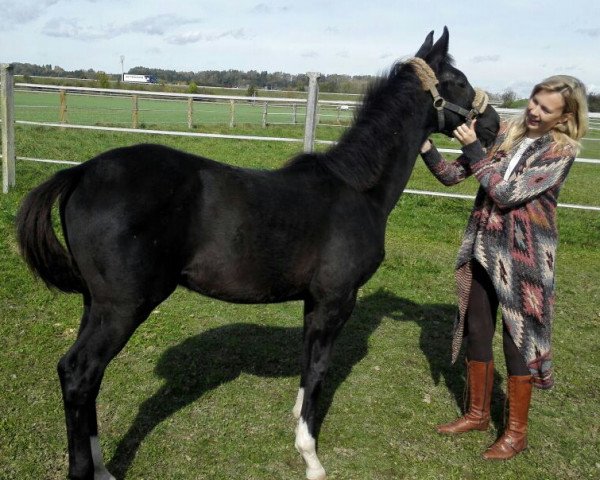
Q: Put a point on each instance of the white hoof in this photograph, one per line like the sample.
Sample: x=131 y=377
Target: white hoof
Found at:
x=316 y=474
x=305 y=444
x=103 y=475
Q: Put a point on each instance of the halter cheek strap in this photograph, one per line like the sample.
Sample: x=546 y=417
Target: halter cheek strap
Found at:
x=429 y=82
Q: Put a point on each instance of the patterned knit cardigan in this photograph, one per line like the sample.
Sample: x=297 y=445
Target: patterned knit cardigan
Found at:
x=512 y=232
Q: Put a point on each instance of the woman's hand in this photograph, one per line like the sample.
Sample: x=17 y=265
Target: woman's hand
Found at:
x=465 y=134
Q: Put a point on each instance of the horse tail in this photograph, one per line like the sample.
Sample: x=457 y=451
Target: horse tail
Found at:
x=40 y=247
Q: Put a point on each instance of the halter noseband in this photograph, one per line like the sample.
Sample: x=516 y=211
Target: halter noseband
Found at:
x=429 y=82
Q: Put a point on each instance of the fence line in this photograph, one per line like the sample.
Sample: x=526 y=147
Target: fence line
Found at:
x=472 y=197
x=342 y=105
x=245 y=137
x=263 y=101
x=411 y=191
x=578 y=160
x=220 y=135
x=165 y=132
x=128 y=93
x=515 y=111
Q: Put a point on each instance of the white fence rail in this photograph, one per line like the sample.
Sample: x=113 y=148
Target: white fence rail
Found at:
x=311 y=119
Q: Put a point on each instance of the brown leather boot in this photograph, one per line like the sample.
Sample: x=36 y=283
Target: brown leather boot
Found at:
x=480 y=379
x=514 y=438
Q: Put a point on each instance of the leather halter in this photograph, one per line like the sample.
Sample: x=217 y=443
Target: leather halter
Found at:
x=429 y=82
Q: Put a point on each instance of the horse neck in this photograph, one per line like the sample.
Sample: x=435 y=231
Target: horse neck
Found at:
x=377 y=154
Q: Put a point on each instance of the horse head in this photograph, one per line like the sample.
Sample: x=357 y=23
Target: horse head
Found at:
x=454 y=100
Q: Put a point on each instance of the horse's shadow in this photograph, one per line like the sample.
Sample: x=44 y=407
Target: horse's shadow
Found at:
x=212 y=358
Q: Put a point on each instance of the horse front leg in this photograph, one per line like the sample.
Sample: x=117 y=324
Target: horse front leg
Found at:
x=322 y=323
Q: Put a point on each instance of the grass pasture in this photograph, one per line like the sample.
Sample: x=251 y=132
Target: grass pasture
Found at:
x=204 y=389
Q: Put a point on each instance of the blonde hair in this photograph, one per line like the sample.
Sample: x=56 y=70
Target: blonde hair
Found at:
x=566 y=133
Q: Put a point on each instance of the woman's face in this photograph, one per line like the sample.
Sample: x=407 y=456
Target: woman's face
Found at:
x=544 y=111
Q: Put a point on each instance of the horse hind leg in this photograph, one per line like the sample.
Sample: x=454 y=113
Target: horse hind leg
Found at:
x=105 y=331
x=100 y=470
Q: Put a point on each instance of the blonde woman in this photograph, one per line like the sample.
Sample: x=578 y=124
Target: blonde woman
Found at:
x=508 y=253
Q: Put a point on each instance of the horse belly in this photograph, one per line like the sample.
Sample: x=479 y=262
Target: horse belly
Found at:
x=242 y=282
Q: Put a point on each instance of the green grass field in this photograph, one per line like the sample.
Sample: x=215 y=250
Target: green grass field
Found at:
x=204 y=389
x=206 y=116
x=105 y=110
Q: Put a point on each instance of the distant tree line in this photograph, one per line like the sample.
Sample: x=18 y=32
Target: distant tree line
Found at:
x=594 y=102
x=213 y=78
x=29 y=69
x=250 y=80
x=253 y=78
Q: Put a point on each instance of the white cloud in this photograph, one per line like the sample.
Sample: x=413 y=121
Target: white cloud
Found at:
x=590 y=32
x=198 y=36
x=21 y=12
x=238 y=34
x=157 y=25
x=71 y=28
x=185 y=38
x=263 y=8
x=485 y=58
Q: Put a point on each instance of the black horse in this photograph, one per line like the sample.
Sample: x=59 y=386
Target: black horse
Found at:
x=139 y=221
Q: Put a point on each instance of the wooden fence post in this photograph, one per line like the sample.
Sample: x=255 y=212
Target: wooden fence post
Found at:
x=311 y=111
x=135 y=112
x=7 y=109
x=231 y=114
x=295 y=114
x=190 y=113
x=63 y=106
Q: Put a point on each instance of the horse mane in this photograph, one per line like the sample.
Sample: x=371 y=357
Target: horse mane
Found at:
x=378 y=130
x=381 y=127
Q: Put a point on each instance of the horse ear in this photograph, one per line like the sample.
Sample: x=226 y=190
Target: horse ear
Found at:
x=439 y=51
x=427 y=44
